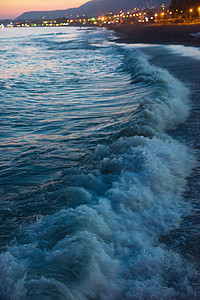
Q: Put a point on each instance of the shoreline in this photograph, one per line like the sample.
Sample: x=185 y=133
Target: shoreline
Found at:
x=157 y=34
x=186 y=70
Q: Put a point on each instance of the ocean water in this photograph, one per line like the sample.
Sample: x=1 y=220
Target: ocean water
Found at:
x=98 y=168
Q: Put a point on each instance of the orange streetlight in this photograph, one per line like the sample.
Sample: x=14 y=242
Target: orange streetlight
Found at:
x=162 y=15
x=191 y=10
x=199 y=11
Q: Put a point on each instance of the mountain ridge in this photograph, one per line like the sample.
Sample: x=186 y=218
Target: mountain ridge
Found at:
x=91 y=8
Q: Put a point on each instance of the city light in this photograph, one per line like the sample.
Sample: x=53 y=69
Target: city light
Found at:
x=135 y=16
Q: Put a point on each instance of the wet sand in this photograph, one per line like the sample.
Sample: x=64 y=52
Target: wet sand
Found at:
x=158 y=34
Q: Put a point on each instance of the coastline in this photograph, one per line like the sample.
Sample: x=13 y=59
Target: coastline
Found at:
x=95 y=168
x=157 y=34
x=186 y=69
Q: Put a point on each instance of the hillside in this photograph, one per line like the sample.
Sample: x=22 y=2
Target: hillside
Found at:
x=91 y=8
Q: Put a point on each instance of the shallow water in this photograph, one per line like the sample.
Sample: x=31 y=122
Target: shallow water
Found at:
x=93 y=170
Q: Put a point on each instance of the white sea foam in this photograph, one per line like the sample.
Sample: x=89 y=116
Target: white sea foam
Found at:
x=109 y=247
x=111 y=250
x=186 y=51
x=166 y=104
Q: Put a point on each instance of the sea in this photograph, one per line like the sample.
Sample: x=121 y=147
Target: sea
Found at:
x=99 y=167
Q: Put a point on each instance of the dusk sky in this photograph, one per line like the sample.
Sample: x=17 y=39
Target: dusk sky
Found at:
x=13 y=8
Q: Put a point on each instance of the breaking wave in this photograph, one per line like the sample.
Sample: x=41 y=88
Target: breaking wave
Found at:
x=107 y=245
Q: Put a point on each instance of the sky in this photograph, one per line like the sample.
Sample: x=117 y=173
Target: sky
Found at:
x=13 y=8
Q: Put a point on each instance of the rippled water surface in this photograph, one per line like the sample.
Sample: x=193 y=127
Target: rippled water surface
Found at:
x=93 y=170
x=59 y=92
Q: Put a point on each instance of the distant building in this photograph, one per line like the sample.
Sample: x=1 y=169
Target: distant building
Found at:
x=185 y=5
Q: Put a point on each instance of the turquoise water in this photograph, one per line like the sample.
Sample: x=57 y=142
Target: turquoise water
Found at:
x=91 y=177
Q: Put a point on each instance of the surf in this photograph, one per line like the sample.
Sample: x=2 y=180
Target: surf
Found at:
x=105 y=238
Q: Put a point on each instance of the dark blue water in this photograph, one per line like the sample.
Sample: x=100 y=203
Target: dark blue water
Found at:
x=93 y=170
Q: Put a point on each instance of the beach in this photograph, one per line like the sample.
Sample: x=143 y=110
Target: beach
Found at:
x=175 y=49
x=158 y=34
x=99 y=165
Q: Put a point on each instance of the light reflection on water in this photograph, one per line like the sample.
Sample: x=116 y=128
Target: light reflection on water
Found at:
x=56 y=90
x=106 y=178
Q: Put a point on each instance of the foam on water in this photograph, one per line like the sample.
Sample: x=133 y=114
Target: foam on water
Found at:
x=186 y=51
x=107 y=244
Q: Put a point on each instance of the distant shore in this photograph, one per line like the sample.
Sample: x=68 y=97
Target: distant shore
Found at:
x=158 y=34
